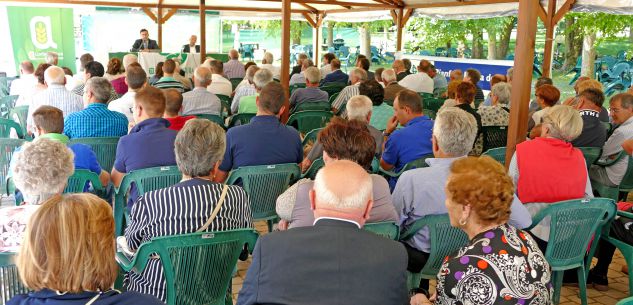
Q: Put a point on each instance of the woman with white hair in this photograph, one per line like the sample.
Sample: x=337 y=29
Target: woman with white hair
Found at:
x=498 y=114
x=40 y=170
x=267 y=63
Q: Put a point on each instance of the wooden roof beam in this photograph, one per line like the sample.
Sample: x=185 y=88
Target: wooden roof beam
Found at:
x=341 y=3
x=540 y=12
x=172 y=11
x=150 y=14
x=563 y=10
x=311 y=8
x=457 y=3
x=406 y=17
x=309 y=19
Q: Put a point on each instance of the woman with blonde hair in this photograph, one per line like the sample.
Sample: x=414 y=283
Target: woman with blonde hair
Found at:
x=68 y=255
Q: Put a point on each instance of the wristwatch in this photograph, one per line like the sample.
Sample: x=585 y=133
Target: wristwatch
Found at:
x=385 y=134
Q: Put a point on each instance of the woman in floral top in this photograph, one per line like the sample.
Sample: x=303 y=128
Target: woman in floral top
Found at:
x=501 y=264
x=498 y=114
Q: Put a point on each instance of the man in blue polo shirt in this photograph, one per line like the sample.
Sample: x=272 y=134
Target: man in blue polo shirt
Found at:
x=411 y=142
x=265 y=140
x=96 y=120
x=150 y=143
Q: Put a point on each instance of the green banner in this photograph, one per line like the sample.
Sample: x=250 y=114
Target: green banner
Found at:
x=35 y=31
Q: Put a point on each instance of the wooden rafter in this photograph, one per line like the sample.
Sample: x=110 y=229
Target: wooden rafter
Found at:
x=170 y=13
x=342 y=3
x=320 y=17
x=309 y=19
x=394 y=15
x=406 y=17
x=311 y=8
x=563 y=10
x=457 y=3
x=150 y=14
x=540 y=12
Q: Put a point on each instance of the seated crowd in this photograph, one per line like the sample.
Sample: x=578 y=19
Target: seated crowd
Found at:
x=387 y=158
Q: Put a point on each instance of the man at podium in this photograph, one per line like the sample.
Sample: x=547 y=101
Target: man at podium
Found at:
x=192 y=47
x=144 y=44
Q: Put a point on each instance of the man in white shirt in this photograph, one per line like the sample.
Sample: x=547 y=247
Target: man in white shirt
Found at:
x=200 y=100
x=27 y=80
x=219 y=84
x=300 y=77
x=135 y=78
x=55 y=95
x=327 y=68
x=267 y=63
x=419 y=82
x=245 y=90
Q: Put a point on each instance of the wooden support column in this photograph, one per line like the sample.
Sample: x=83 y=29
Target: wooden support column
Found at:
x=316 y=34
x=203 y=32
x=285 y=54
x=159 y=20
x=522 y=78
x=399 y=25
x=549 y=38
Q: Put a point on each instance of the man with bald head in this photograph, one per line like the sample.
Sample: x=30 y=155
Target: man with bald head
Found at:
x=335 y=259
x=27 y=80
x=398 y=67
x=55 y=95
x=391 y=84
x=191 y=47
x=200 y=100
x=234 y=68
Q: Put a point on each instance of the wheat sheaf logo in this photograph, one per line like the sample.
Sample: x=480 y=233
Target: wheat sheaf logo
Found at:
x=42 y=32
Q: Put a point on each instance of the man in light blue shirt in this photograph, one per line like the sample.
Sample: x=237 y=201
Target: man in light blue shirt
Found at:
x=420 y=192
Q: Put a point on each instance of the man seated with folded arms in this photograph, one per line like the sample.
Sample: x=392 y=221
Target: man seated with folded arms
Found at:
x=413 y=141
x=311 y=93
x=135 y=78
x=149 y=144
x=96 y=120
x=265 y=140
x=248 y=104
x=168 y=81
x=173 y=105
x=335 y=261
x=356 y=77
x=200 y=100
x=420 y=192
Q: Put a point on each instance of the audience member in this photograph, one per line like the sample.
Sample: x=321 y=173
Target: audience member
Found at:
x=407 y=65
x=40 y=170
x=327 y=61
x=219 y=84
x=234 y=68
x=621 y=111
x=120 y=85
x=135 y=79
x=83 y=60
x=534 y=106
x=474 y=76
x=311 y=93
x=497 y=78
x=26 y=97
x=465 y=97
x=398 y=67
x=572 y=100
x=413 y=141
x=357 y=76
x=381 y=112
x=456 y=75
x=265 y=140
x=267 y=63
x=150 y=142
x=158 y=73
x=335 y=256
x=391 y=84
x=340 y=140
x=420 y=192
x=509 y=74
x=593 y=134
x=546 y=97
x=51 y=58
x=94 y=69
x=55 y=95
x=248 y=104
x=115 y=69
x=335 y=75
x=451 y=92
x=479 y=194
x=179 y=76
x=245 y=90
x=498 y=113
x=173 y=106
x=363 y=63
x=439 y=81
x=299 y=78
x=592 y=83
x=27 y=80
x=298 y=68
x=187 y=206
x=378 y=75
x=167 y=81
x=419 y=82
x=96 y=120
x=200 y=100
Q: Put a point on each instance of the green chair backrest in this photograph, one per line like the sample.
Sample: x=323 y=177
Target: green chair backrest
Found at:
x=10 y=283
x=104 y=148
x=313 y=169
x=292 y=88
x=241 y=119
x=389 y=102
x=332 y=88
x=263 y=184
x=494 y=136
x=7 y=148
x=306 y=121
x=311 y=137
x=592 y=154
x=627 y=252
x=417 y=163
x=626 y=301
x=386 y=229
x=430 y=113
x=78 y=180
x=213 y=118
x=19 y=114
x=198 y=267
x=498 y=154
x=445 y=239
x=626 y=185
x=5 y=128
x=425 y=95
x=333 y=98
x=226 y=104
x=608 y=127
x=6 y=104
x=433 y=103
x=320 y=105
x=235 y=82
x=478 y=102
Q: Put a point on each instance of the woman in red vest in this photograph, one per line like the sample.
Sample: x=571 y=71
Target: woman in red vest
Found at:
x=549 y=169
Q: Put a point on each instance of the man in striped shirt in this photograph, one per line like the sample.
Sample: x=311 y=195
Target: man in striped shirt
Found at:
x=199 y=100
x=234 y=68
x=168 y=81
x=357 y=76
x=94 y=69
x=55 y=95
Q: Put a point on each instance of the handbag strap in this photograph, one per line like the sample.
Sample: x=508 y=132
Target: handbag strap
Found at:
x=215 y=210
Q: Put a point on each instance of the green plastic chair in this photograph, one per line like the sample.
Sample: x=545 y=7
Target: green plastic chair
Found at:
x=333 y=98
x=417 y=163
x=433 y=103
x=263 y=184
x=627 y=301
x=626 y=185
x=5 y=128
x=430 y=113
x=313 y=169
x=320 y=105
x=477 y=103
x=311 y=137
x=425 y=95
x=445 y=240
x=235 y=82
x=388 y=102
x=608 y=127
x=241 y=119
x=498 y=154
x=494 y=137
x=294 y=87
x=573 y=225
x=104 y=148
x=306 y=121
x=198 y=267
x=592 y=154
x=146 y=180
x=226 y=105
x=7 y=148
x=213 y=118
x=6 y=104
x=627 y=252
x=78 y=180
x=19 y=114
x=332 y=88
x=10 y=283
x=388 y=229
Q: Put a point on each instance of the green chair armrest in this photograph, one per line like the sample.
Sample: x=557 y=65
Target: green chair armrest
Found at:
x=610 y=162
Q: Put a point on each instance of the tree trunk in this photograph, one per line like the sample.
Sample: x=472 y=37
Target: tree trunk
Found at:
x=588 y=55
x=365 y=40
x=573 y=44
x=504 y=40
x=631 y=34
x=330 y=34
x=478 y=48
x=492 y=45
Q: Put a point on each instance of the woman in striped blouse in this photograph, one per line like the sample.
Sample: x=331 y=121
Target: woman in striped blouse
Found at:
x=186 y=206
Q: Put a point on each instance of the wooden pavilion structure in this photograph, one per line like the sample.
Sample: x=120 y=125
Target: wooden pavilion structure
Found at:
x=315 y=11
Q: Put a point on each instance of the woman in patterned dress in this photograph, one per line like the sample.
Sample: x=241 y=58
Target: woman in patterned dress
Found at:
x=501 y=264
